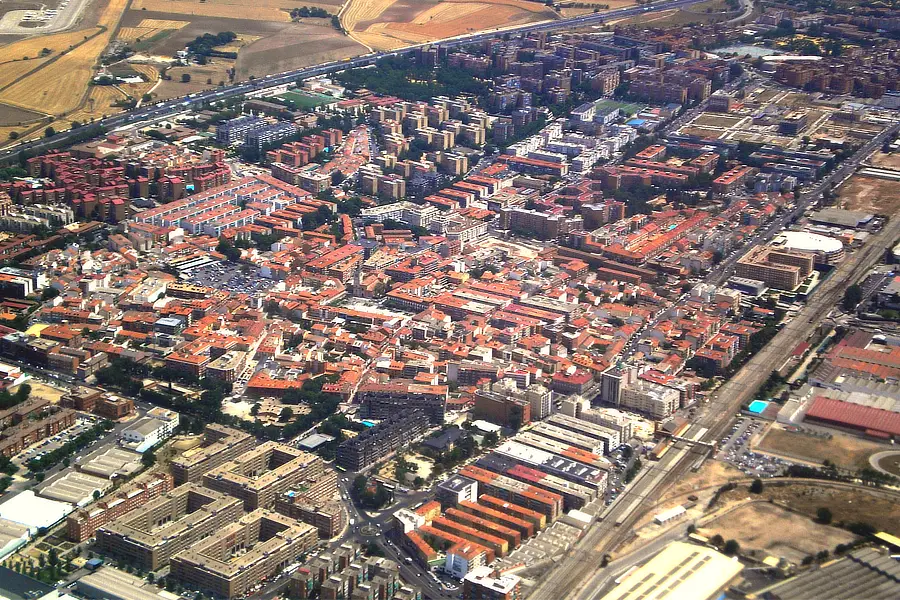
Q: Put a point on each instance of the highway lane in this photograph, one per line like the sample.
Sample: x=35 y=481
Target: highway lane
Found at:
x=577 y=576
x=168 y=108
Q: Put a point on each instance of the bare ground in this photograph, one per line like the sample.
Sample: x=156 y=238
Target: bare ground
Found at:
x=845 y=451
x=767 y=527
x=870 y=194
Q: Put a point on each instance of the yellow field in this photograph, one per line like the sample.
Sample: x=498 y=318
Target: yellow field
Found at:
x=361 y=10
x=103 y=97
x=60 y=85
x=447 y=11
x=447 y=19
x=239 y=42
x=148 y=28
x=262 y=10
x=162 y=24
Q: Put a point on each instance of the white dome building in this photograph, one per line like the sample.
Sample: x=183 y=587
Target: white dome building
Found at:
x=828 y=250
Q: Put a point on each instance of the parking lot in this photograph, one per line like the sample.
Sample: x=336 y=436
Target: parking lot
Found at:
x=735 y=448
x=229 y=277
x=43 y=447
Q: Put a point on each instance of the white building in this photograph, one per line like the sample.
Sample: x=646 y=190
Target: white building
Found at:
x=650 y=398
x=158 y=425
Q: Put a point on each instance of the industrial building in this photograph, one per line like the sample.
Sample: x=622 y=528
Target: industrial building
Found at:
x=552 y=464
x=571 y=438
x=157 y=426
x=611 y=439
x=242 y=553
x=151 y=535
x=680 y=572
x=260 y=476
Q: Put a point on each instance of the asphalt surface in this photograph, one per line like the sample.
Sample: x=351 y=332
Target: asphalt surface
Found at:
x=168 y=108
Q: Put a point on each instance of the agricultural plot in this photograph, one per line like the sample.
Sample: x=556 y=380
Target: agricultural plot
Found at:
x=259 y=10
x=388 y=24
x=59 y=84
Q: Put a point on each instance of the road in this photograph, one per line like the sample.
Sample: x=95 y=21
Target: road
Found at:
x=578 y=575
x=154 y=112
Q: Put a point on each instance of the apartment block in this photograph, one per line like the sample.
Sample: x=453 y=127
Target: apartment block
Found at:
x=777 y=267
x=381 y=400
x=375 y=443
x=242 y=553
x=151 y=535
x=83 y=523
x=220 y=445
x=260 y=476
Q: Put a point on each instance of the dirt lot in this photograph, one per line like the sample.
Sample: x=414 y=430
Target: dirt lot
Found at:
x=712 y=473
x=845 y=451
x=716 y=120
x=869 y=194
x=846 y=505
x=764 y=526
x=891 y=464
x=215 y=71
x=44 y=391
x=259 y=10
x=886 y=161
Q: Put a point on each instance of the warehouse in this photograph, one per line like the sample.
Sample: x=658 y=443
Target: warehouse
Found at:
x=680 y=572
x=845 y=415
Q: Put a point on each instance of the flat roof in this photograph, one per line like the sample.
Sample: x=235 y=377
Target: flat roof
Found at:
x=28 y=509
x=681 y=571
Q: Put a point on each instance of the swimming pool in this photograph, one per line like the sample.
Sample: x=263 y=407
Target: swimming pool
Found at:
x=757 y=406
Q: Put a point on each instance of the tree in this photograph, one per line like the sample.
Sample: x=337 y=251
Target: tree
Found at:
x=185 y=78
x=49 y=132
x=13 y=135
x=717 y=540
x=53 y=557
x=823 y=515
x=96 y=494
x=254 y=410
x=852 y=297
x=286 y=414
x=757 y=486
x=731 y=548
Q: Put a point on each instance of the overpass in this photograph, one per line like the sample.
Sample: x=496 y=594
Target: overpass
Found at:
x=167 y=108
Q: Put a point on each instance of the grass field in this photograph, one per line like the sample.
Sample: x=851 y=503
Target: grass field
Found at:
x=628 y=108
x=843 y=450
x=306 y=100
x=785 y=534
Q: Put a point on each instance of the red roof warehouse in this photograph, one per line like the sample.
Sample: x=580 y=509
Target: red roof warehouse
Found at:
x=874 y=421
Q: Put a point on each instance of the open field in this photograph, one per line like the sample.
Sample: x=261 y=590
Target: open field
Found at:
x=11 y=115
x=869 y=194
x=716 y=120
x=388 y=24
x=695 y=14
x=845 y=451
x=296 y=45
x=847 y=505
x=885 y=161
x=766 y=527
x=588 y=6
x=216 y=71
x=259 y=10
x=891 y=464
x=148 y=29
x=712 y=473
x=43 y=391
x=60 y=84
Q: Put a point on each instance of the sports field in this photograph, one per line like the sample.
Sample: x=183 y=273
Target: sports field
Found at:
x=306 y=100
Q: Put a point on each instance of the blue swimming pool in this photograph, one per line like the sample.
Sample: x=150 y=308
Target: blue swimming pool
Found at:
x=757 y=406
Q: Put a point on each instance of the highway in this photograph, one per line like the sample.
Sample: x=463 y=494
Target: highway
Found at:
x=161 y=110
x=578 y=576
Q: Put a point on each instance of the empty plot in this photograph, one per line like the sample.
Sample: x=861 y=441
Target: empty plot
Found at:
x=870 y=194
x=845 y=451
x=785 y=534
